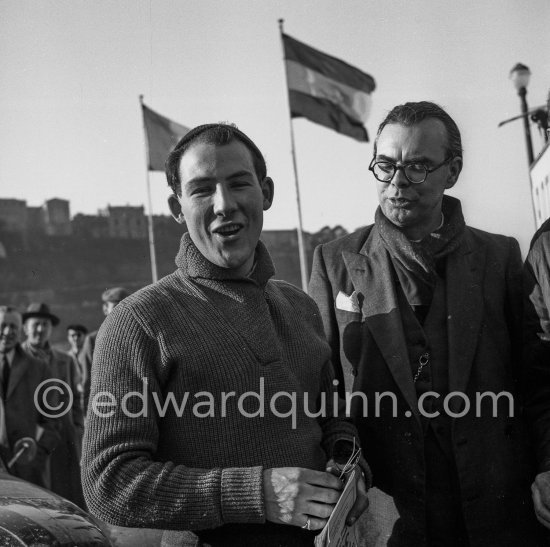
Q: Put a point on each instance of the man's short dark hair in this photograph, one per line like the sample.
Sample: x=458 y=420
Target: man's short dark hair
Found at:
x=410 y=114
x=78 y=328
x=218 y=134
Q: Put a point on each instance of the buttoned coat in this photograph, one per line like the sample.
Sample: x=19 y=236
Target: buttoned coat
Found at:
x=369 y=350
x=23 y=419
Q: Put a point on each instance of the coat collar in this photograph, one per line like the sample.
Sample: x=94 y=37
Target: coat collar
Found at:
x=372 y=277
x=373 y=280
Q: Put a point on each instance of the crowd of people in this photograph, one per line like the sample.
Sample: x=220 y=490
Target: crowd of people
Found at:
x=52 y=460
x=206 y=393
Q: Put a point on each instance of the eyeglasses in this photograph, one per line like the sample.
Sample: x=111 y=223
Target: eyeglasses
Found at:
x=416 y=173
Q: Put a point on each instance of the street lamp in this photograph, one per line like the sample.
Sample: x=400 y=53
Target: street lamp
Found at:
x=520 y=75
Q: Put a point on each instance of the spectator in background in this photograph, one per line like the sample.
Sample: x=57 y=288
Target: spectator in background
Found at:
x=38 y=323
x=111 y=297
x=20 y=375
x=536 y=356
x=75 y=336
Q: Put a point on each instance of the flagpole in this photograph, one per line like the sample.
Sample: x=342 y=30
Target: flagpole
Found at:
x=301 y=246
x=152 y=252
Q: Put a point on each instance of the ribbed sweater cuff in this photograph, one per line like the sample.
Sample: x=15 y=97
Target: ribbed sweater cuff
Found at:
x=242 y=495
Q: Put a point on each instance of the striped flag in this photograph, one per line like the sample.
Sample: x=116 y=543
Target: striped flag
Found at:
x=162 y=135
x=326 y=90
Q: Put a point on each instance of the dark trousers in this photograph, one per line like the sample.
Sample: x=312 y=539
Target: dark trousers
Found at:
x=444 y=518
x=254 y=535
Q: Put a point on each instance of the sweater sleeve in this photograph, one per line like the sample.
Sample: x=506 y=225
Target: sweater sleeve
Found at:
x=124 y=481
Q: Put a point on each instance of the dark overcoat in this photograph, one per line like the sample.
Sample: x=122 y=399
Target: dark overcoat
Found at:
x=492 y=454
x=23 y=418
x=65 y=459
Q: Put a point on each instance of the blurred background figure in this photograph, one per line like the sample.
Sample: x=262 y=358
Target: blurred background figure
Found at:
x=536 y=356
x=38 y=323
x=111 y=297
x=20 y=375
x=75 y=336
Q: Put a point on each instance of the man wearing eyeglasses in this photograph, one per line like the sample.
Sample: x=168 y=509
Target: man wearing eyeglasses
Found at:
x=422 y=314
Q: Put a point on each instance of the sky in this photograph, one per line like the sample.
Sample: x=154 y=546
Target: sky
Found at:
x=72 y=72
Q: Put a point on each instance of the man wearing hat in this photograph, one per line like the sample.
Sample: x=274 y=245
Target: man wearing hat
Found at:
x=111 y=297
x=38 y=323
x=20 y=376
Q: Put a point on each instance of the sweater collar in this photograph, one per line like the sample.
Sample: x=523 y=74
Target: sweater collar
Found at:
x=193 y=264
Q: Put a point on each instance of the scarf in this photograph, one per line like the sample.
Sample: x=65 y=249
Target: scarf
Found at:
x=44 y=354
x=415 y=262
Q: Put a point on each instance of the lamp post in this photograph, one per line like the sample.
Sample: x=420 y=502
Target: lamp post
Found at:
x=520 y=75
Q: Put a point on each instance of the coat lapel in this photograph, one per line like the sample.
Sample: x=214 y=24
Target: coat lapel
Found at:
x=465 y=271
x=372 y=278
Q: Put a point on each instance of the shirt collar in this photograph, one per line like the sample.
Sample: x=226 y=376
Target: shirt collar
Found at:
x=432 y=233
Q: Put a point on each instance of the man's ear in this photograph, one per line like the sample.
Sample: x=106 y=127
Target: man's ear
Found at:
x=455 y=166
x=175 y=208
x=268 y=189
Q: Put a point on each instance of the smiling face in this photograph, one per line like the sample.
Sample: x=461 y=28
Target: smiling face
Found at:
x=10 y=327
x=38 y=330
x=222 y=203
x=415 y=208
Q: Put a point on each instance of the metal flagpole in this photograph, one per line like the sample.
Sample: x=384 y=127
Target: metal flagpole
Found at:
x=152 y=252
x=301 y=246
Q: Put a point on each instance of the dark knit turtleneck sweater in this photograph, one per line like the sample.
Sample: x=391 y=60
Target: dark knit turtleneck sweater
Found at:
x=203 y=329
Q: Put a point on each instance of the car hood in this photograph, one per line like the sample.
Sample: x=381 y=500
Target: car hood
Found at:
x=32 y=516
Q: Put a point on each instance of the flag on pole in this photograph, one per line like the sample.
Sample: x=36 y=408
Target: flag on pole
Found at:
x=326 y=90
x=162 y=135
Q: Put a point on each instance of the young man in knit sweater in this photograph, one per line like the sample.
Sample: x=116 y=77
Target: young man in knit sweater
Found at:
x=214 y=375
